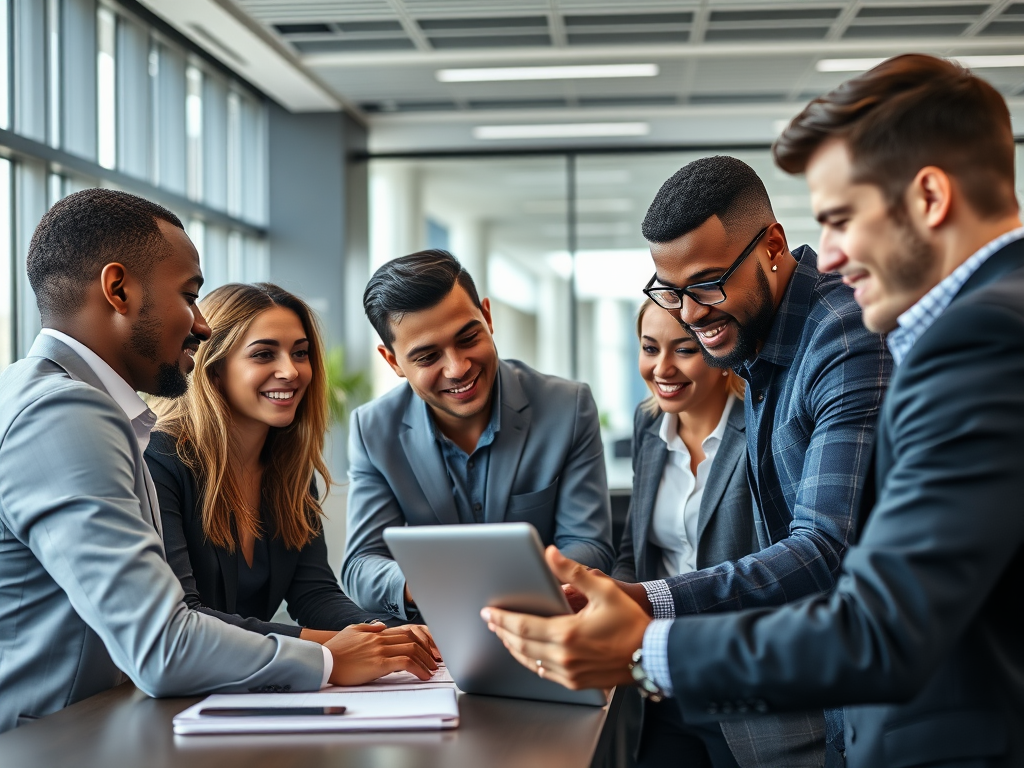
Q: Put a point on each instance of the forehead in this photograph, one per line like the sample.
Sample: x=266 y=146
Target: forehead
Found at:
x=279 y=323
x=829 y=174
x=708 y=246
x=659 y=324
x=181 y=259
x=437 y=325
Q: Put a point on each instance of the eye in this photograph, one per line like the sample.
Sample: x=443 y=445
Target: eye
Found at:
x=301 y=354
x=649 y=349
x=468 y=341
x=428 y=359
x=191 y=298
x=686 y=351
x=262 y=354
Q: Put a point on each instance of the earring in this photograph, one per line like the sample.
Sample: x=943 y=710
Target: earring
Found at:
x=725 y=373
x=775 y=267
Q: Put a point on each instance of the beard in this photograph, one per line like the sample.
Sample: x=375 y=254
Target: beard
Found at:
x=144 y=340
x=749 y=335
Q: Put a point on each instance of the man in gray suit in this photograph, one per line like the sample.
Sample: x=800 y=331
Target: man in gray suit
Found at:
x=911 y=171
x=469 y=439
x=85 y=592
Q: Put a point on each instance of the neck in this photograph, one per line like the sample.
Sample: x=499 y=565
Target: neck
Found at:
x=464 y=432
x=105 y=345
x=961 y=242
x=696 y=425
x=247 y=440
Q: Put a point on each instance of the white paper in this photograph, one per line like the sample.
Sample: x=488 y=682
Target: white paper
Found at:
x=430 y=707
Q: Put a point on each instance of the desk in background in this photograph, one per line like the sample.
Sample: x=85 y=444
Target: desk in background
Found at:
x=124 y=728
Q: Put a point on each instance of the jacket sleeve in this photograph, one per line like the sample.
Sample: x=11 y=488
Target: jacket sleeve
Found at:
x=946 y=530
x=369 y=574
x=171 y=477
x=68 y=492
x=583 y=522
x=844 y=396
x=626 y=566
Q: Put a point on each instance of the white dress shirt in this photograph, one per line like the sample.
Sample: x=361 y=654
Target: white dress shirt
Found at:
x=143 y=419
x=677 y=505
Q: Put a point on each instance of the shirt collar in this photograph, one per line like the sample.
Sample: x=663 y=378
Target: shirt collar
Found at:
x=912 y=324
x=121 y=391
x=669 y=431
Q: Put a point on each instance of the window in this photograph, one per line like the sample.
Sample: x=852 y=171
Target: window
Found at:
x=6 y=268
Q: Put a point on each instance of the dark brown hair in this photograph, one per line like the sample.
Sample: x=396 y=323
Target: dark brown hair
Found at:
x=907 y=113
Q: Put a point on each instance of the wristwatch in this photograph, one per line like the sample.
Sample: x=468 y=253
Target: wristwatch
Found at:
x=648 y=688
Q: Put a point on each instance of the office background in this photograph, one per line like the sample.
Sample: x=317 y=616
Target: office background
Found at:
x=308 y=141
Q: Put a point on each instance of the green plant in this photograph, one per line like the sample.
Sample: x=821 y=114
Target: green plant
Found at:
x=343 y=389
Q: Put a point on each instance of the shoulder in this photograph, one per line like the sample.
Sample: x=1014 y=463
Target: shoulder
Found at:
x=383 y=410
x=544 y=390
x=644 y=418
x=834 y=330
x=164 y=462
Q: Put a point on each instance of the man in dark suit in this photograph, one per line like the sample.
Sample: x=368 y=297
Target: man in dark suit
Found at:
x=469 y=438
x=911 y=170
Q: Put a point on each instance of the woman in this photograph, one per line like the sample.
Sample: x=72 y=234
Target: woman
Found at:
x=691 y=505
x=233 y=462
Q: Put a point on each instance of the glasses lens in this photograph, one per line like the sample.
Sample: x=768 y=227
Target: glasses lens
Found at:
x=665 y=299
x=706 y=295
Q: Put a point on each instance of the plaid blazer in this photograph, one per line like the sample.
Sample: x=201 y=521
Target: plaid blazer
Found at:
x=813 y=398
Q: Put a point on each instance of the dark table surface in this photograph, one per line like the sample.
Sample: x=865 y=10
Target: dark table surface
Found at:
x=124 y=728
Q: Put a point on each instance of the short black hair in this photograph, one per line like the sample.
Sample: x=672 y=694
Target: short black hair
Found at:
x=711 y=186
x=412 y=283
x=83 y=233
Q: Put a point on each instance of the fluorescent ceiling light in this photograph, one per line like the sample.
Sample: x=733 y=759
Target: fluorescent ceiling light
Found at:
x=575 y=72
x=560 y=131
x=971 y=62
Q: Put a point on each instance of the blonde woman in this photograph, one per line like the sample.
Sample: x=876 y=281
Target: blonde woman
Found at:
x=233 y=463
x=691 y=504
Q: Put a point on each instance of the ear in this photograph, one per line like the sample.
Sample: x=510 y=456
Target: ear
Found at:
x=485 y=308
x=775 y=241
x=390 y=359
x=930 y=196
x=113 y=281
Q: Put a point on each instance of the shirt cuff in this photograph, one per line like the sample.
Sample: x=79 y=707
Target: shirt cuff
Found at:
x=328 y=667
x=662 y=604
x=655 y=654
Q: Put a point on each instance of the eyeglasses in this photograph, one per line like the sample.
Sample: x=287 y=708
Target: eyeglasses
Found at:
x=708 y=294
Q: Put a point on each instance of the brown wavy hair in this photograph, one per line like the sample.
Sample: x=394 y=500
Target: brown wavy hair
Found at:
x=200 y=422
x=735 y=384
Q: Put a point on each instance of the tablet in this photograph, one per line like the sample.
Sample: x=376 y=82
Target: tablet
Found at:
x=454 y=571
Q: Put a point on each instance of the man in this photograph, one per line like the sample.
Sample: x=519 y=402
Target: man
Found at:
x=84 y=588
x=911 y=170
x=815 y=377
x=469 y=439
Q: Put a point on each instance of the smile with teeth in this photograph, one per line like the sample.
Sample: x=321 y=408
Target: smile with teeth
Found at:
x=670 y=389
x=279 y=395
x=710 y=333
x=460 y=390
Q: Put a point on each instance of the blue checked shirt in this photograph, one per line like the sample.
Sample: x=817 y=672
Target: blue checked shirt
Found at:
x=919 y=318
x=813 y=397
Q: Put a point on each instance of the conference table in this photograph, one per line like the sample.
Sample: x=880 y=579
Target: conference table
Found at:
x=124 y=728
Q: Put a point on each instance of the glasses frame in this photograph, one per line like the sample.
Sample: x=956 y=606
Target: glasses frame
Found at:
x=718 y=284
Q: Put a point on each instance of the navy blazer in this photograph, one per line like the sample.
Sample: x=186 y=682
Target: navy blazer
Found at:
x=923 y=629
x=725 y=524
x=209 y=574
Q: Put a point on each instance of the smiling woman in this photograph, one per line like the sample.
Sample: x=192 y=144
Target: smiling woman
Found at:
x=233 y=463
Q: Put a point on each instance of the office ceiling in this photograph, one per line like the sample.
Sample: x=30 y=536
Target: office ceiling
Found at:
x=720 y=59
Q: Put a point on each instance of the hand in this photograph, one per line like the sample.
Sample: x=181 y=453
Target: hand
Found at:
x=408 y=597
x=639 y=595
x=364 y=652
x=422 y=632
x=316 y=635
x=589 y=649
x=577 y=600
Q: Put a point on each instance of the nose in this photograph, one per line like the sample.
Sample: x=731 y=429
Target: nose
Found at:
x=199 y=325
x=830 y=255
x=690 y=312
x=286 y=368
x=456 y=366
x=663 y=366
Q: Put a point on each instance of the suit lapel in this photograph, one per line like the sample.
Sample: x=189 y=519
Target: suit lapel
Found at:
x=424 y=456
x=733 y=445
x=654 y=454
x=507 y=448
x=228 y=562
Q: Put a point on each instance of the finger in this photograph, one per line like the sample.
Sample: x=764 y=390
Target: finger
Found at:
x=413 y=650
x=423 y=632
x=520 y=624
x=373 y=627
x=407 y=664
x=587 y=581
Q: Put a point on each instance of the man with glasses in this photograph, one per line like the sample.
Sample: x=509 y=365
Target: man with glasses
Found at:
x=816 y=378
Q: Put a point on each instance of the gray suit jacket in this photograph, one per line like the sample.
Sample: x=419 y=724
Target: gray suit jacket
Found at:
x=922 y=632
x=725 y=526
x=85 y=591
x=546 y=468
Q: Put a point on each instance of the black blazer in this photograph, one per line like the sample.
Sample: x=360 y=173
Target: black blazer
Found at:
x=209 y=574
x=926 y=615
x=725 y=527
